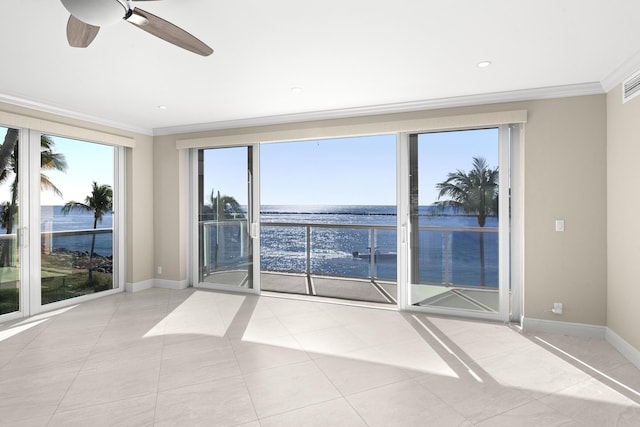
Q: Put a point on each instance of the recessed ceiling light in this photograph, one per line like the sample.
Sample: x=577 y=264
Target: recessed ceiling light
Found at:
x=296 y=89
x=162 y=107
x=484 y=64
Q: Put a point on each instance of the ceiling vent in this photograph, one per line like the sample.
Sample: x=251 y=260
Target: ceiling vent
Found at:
x=631 y=87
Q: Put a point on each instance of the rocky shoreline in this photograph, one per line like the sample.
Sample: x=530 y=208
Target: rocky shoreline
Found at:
x=81 y=260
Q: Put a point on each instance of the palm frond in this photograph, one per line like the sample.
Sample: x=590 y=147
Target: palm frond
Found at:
x=74 y=206
x=475 y=192
x=100 y=201
x=46 y=184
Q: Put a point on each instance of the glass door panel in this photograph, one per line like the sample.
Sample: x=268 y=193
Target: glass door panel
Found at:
x=9 y=223
x=76 y=218
x=454 y=188
x=225 y=253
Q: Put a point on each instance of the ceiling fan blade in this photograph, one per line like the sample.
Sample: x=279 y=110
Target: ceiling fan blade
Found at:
x=80 y=34
x=167 y=31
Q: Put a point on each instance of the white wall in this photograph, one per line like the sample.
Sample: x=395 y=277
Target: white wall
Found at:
x=623 y=226
x=565 y=178
x=170 y=207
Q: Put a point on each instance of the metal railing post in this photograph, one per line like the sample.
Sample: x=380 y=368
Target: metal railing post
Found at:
x=372 y=253
x=242 y=237
x=447 y=281
x=308 y=249
x=205 y=250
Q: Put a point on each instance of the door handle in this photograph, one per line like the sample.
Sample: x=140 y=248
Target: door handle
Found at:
x=22 y=241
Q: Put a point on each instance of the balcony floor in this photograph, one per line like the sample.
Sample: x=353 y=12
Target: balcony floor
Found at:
x=331 y=287
x=365 y=290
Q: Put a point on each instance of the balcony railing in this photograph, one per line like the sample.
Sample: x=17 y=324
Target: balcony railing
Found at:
x=451 y=256
x=72 y=240
x=362 y=237
x=224 y=245
x=48 y=237
x=65 y=264
x=447 y=256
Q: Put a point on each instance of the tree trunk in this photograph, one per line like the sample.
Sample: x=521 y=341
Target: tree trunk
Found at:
x=6 y=150
x=482 y=268
x=482 y=220
x=7 y=246
x=93 y=245
x=7 y=147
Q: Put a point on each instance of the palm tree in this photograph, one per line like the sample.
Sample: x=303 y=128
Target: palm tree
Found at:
x=49 y=160
x=100 y=201
x=223 y=206
x=8 y=212
x=475 y=193
x=9 y=143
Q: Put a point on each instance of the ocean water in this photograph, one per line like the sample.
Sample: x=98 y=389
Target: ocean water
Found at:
x=53 y=220
x=336 y=232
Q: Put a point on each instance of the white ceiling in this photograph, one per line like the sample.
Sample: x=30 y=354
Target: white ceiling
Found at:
x=348 y=56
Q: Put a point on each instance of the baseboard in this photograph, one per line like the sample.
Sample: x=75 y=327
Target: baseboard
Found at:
x=156 y=283
x=564 y=328
x=627 y=350
x=138 y=286
x=170 y=284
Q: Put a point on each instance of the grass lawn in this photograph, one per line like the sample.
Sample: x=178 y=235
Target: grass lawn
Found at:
x=64 y=275
x=58 y=288
x=9 y=300
x=61 y=287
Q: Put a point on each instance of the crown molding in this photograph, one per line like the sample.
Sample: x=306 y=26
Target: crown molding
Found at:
x=583 y=89
x=617 y=76
x=45 y=108
x=593 y=88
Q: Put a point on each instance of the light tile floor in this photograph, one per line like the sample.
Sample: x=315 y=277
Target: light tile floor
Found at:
x=194 y=357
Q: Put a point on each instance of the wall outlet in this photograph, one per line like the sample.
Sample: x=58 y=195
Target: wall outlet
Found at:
x=159 y=270
x=560 y=225
x=557 y=308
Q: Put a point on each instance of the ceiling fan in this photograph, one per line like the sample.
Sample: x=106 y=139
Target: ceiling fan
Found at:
x=87 y=16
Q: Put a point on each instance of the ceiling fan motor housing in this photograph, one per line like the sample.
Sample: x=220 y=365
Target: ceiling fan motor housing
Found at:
x=98 y=12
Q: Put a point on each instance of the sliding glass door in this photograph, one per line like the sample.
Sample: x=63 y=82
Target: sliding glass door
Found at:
x=59 y=211
x=421 y=221
x=226 y=229
x=459 y=221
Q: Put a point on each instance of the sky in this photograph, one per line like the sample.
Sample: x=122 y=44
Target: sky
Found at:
x=320 y=172
x=443 y=152
x=349 y=171
x=345 y=171
x=86 y=162
x=225 y=171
